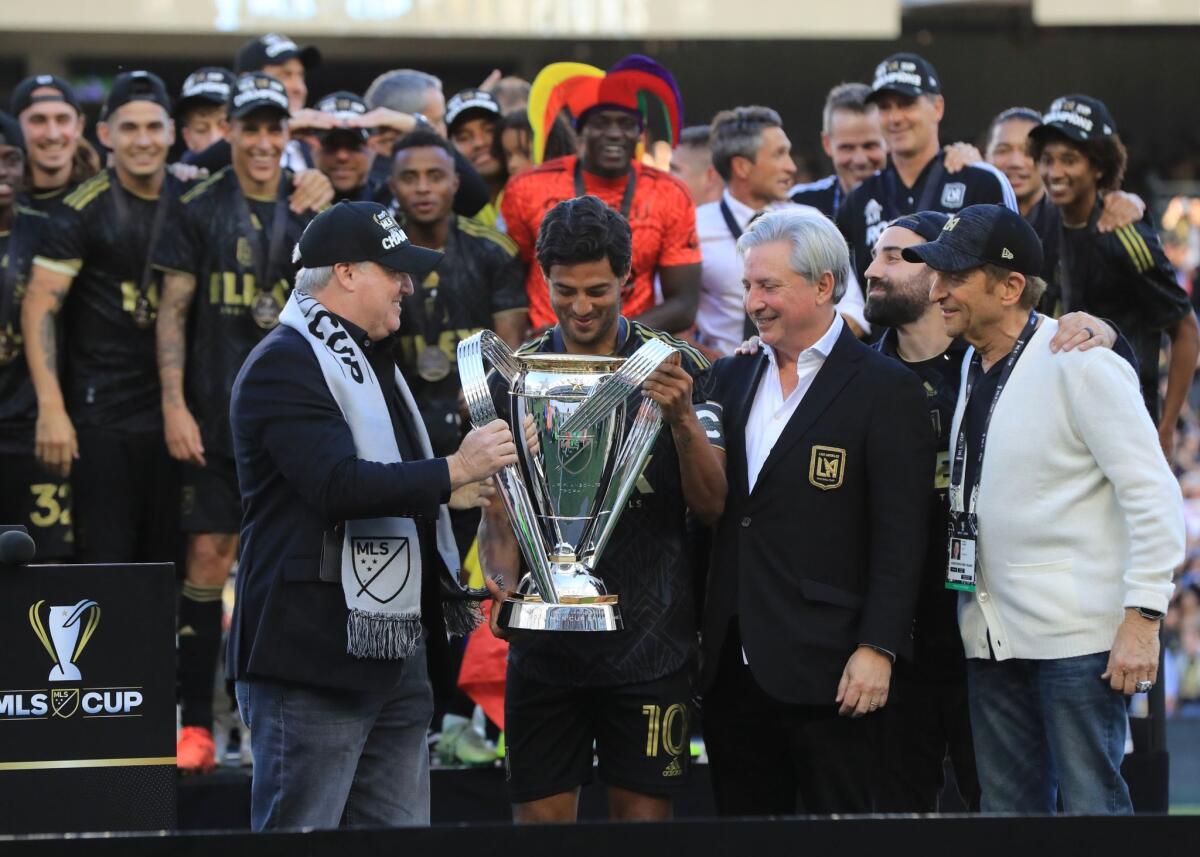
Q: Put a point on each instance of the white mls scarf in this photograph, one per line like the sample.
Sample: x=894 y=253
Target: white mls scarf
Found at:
x=381 y=557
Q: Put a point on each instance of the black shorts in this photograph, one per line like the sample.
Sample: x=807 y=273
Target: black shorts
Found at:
x=640 y=731
x=211 y=501
x=126 y=498
x=32 y=496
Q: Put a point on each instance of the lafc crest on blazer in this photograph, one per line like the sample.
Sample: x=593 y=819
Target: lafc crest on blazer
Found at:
x=826 y=467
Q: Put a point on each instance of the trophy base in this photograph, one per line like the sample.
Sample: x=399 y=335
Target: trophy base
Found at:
x=533 y=614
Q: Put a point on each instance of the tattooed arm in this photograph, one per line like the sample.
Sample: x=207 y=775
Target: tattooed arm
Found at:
x=54 y=437
x=182 y=433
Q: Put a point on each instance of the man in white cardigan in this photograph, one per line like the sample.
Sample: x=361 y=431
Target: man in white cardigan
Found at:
x=1069 y=525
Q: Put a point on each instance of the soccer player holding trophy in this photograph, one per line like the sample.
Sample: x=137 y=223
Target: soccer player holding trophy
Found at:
x=603 y=625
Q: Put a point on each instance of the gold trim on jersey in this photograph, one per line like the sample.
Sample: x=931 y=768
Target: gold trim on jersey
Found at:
x=480 y=230
x=204 y=185
x=1136 y=247
x=82 y=196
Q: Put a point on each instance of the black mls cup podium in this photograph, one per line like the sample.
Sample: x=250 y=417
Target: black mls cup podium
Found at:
x=87 y=696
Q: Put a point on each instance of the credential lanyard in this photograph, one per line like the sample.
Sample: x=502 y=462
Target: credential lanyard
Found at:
x=264 y=267
x=630 y=185
x=957 y=471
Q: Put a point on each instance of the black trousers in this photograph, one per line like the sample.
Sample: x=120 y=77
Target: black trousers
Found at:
x=768 y=757
x=925 y=720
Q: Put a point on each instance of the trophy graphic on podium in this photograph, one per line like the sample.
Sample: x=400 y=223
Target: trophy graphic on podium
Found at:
x=68 y=634
x=565 y=502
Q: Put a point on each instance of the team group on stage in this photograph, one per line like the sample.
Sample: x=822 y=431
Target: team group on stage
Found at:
x=910 y=501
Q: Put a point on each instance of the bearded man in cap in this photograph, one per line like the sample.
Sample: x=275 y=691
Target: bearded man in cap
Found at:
x=1057 y=620
x=346 y=551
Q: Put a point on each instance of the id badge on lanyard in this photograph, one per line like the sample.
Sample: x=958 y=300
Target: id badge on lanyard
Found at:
x=962 y=564
x=960 y=569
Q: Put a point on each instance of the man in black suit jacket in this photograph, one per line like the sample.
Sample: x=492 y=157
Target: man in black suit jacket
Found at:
x=326 y=723
x=817 y=558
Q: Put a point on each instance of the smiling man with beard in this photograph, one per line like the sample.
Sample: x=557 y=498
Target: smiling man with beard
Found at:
x=93 y=267
x=227 y=276
x=52 y=123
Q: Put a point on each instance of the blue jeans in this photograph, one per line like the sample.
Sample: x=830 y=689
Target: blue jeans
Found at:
x=339 y=758
x=1044 y=727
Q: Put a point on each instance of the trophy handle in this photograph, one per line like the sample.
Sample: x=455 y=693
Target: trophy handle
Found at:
x=628 y=467
x=509 y=484
x=471 y=372
x=617 y=387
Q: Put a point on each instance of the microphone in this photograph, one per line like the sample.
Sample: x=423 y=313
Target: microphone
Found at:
x=16 y=547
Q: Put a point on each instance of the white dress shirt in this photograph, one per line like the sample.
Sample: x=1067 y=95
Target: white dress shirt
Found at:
x=771 y=410
x=721 y=315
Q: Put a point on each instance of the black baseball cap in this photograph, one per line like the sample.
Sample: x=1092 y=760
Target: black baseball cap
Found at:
x=361 y=232
x=209 y=85
x=468 y=104
x=927 y=224
x=1077 y=117
x=135 y=86
x=344 y=105
x=982 y=235
x=23 y=97
x=274 y=49
x=10 y=132
x=257 y=91
x=905 y=74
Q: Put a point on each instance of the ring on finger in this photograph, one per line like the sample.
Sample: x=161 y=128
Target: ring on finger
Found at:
x=1143 y=686
x=1090 y=332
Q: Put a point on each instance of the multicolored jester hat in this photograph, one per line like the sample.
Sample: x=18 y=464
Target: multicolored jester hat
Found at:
x=582 y=88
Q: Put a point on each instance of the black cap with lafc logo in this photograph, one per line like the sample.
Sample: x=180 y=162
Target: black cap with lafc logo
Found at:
x=909 y=75
x=361 y=232
x=982 y=235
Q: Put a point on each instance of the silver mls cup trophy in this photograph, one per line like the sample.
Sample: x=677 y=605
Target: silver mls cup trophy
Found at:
x=578 y=481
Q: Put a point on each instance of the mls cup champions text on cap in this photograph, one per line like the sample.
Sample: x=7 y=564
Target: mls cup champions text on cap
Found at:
x=395 y=235
x=260 y=89
x=1068 y=111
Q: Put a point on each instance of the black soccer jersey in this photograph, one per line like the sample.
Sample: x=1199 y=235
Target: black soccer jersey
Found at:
x=883 y=197
x=46 y=200
x=229 y=242
x=100 y=236
x=479 y=277
x=937 y=646
x=825 y=195
x=647 y=563
x=1124 y=277
x=18 y=401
